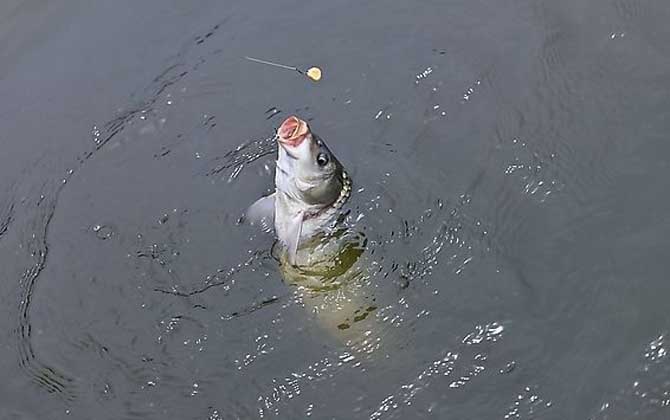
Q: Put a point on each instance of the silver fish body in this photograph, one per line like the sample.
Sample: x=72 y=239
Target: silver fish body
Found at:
x=310 y=188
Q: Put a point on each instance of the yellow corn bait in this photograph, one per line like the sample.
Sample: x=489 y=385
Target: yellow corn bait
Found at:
x=314 y=73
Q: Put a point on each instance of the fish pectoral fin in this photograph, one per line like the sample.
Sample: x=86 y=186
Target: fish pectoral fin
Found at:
x=293 y=237
x=262 y=213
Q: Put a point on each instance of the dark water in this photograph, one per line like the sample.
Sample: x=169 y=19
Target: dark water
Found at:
x=511 y=167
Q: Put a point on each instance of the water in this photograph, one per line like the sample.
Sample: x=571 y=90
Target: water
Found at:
x=510 y=166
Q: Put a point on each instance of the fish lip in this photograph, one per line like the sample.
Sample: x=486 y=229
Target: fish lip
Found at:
x=293 y=143
x=292 y=132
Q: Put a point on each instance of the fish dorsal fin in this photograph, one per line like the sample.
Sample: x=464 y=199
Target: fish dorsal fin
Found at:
x=294 y=230
x=262 y=213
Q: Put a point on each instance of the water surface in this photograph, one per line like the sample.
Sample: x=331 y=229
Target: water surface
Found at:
x=510 y=166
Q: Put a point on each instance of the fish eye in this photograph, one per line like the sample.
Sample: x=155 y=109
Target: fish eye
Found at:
x=322 y=159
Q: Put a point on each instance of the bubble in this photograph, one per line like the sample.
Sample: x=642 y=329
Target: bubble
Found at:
x=103 y=232
x=163 y=219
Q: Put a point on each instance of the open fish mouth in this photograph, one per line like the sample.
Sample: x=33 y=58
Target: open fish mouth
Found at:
x=292 y=132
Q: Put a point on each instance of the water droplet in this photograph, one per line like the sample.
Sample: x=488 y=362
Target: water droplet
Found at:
x=509 y=367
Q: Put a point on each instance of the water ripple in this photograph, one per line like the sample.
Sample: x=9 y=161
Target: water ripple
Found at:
x=42 y=211
x=236 y=160
x=443 y=368
x=647 y=395
x=6 y=215
x=48 y=377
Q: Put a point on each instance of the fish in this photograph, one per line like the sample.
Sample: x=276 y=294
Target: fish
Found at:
x=321 y=254
x=311 y=187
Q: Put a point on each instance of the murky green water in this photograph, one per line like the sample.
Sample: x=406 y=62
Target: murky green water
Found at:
x=510 y=165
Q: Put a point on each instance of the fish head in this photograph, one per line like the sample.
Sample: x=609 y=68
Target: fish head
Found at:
x=306 y=168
